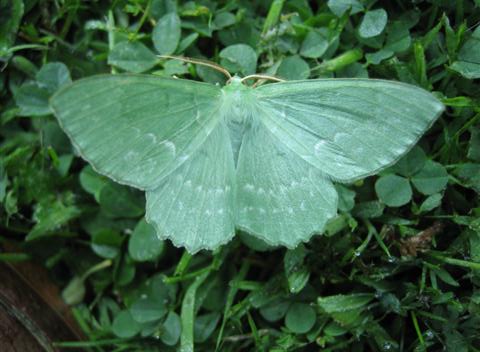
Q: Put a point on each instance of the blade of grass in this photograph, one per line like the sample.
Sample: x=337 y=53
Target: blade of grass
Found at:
x=379 y=239
x=417 y=328
x=188 y=314
x=230 y=297
x=183 y=264
x=273 y=15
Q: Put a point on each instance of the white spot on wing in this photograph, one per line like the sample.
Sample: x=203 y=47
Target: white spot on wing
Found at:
x=152 y=137
x=136 y=130
x=341 y=137
x=248 y=187
x=170 y=146
x=320 y=146
x=183 y=158
x=130 y=156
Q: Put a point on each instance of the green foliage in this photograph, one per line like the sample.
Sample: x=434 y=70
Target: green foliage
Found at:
x=300 y=318
x=167 y=33
x=239 y=58
x=468 y=64
x=393 y=190
x=373 y=23
x=132 y=56
x=384 y=278
x=124 y=325
x=11 y=13
x=144 y=244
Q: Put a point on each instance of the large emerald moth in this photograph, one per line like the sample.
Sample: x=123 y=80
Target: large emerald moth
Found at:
x=213 y=160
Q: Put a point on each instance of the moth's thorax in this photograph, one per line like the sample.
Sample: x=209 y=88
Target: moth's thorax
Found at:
x=238 y=102
x=238 y=108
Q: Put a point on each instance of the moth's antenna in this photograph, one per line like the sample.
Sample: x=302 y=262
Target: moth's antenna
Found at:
x=261 y=79
x=198 y=62
x=260 y=76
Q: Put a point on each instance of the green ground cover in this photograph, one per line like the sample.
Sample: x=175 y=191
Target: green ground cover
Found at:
x=397 y=270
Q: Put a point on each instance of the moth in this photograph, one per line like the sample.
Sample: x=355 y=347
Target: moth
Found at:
x=262 y=159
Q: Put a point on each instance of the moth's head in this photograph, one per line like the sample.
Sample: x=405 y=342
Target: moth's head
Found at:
x=235 y=84
x=235 y=80
x=236 y=96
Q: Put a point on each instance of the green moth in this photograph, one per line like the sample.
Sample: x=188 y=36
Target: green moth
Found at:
x=214 y=159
